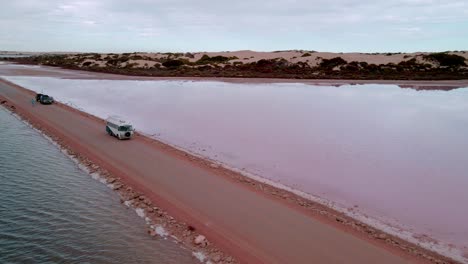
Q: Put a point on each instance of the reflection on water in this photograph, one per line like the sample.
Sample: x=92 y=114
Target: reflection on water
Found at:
x=51 y=212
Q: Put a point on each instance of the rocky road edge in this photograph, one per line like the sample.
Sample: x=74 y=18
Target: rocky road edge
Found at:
x=160 y=225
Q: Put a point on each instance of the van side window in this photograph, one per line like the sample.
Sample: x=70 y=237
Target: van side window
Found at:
x=112 y=125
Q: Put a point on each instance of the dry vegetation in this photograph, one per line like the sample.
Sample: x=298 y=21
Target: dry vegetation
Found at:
x=278 y=64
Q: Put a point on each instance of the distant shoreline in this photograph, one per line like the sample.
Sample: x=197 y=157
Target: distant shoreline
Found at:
x=445 y=85
x=296 y=64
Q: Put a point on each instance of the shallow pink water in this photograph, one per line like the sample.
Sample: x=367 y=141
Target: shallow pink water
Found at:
x=397 y=154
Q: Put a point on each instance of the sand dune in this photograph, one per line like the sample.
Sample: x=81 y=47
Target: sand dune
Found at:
x=310 y=57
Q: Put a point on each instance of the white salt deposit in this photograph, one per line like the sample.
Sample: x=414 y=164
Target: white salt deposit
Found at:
x=140 y=212
x=200 y=256
x=160 y=231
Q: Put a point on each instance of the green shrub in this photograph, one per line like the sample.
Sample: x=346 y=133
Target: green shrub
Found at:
x=116 y=61
x=205 y=59
x=411 y=62
x=130 y=65
x=173 y=63
x=136 y=57
x=189 y=55
x=307 y=54
x=445 y=59
x=332 y=63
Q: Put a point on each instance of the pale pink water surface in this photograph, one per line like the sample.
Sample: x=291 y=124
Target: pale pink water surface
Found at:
x=399 y=155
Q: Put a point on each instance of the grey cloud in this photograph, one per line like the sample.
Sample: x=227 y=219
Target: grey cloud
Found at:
x=164 y=18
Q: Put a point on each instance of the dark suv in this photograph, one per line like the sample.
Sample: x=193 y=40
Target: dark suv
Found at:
x=44 y=99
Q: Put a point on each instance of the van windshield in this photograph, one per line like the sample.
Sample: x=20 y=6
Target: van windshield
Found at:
x=125 y=128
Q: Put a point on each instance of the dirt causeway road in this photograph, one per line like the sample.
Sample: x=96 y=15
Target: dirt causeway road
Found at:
x=250 y=226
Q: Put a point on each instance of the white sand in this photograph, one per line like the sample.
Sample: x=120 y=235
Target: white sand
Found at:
x=248 y=56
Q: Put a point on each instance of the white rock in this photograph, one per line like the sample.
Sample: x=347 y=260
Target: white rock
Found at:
x=200 y=240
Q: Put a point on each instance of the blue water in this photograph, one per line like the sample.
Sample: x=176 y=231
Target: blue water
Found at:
x=52 y=212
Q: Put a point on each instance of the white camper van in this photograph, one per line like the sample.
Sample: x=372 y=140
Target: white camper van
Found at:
x=118 y=127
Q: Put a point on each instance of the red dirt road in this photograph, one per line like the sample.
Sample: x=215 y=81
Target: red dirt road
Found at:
x=250 y=226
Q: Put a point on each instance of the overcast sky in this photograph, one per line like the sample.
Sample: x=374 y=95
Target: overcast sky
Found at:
x=219 y=25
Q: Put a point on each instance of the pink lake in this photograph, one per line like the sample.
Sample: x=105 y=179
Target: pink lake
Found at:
x=398 y=156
